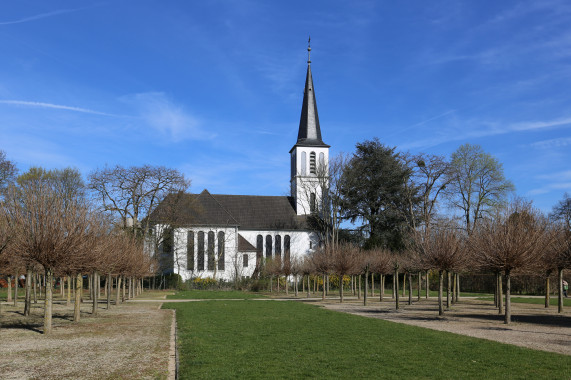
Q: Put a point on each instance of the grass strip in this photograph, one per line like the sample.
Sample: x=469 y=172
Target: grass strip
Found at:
x=213 y=294
x=272 y=339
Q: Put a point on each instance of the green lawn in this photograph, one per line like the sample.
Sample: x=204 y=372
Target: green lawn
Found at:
x=273 y=339
x=213 y=294
x=538 y=301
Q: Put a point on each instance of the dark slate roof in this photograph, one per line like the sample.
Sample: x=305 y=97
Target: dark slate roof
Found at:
x=249 y=212
x=309 y=133
x=244 y=245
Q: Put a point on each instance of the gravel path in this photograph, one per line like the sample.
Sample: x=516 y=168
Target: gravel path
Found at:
x=532 y=326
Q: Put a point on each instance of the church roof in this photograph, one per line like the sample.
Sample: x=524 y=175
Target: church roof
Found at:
x=309 y=133
x=244 y=245
x=248 y=212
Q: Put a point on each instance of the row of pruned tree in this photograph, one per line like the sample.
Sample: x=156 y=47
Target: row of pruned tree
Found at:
x=515 y=240
x=48 y=225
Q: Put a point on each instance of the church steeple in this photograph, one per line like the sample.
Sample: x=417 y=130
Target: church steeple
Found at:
x=309 y=155
x=309 y=133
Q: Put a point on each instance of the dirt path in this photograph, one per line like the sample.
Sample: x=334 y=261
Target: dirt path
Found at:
x=127 y=342
x=533 y=326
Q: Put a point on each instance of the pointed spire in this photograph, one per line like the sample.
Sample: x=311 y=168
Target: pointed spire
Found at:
x=309 y=131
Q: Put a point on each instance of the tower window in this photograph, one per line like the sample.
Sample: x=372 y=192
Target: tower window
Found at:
x=312 y=203
x=303 y=163
x=312 y=162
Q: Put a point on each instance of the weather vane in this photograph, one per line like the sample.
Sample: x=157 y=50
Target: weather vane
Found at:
x=309 y=50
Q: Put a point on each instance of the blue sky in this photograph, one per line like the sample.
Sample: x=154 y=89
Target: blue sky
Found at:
x=214 y=88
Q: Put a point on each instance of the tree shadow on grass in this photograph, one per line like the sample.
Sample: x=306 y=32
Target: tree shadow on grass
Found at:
x=23 y=325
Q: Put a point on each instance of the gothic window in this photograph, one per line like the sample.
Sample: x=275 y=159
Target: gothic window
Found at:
x=190 y=250
x=312 y=203
x=278 y=246
x=268 y=246
x=293 y=165
x=312 y=163
x=260 y=246
x=200 y=258
x=220 y=250
x=211 y=265
x=287 y=243
x=303 y=163
x=168 y=241
x=245 y=260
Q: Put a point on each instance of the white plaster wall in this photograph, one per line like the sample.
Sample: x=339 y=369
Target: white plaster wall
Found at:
x=301 y=243
x=305 y=183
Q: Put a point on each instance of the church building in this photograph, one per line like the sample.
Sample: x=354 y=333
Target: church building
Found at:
x=224 y=236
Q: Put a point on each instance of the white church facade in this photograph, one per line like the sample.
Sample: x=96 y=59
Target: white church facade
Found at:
x=225 y=236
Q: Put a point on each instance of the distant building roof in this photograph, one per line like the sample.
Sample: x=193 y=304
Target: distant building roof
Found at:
x=249 y=212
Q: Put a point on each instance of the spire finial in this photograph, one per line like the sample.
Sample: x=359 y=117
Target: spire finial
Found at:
x=309 y=50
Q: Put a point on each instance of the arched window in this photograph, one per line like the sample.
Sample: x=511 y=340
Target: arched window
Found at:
x=278 y=246
x=293 y=165
x=312 y=163
x=287 y=243
x=322 y=161
x=220 y=250
x=259 y=247
x=303 y=163
x=312 y=203
x=200 y=250
x=268 y=246
x=168 y=241
x=190 y=250
x=211 y=265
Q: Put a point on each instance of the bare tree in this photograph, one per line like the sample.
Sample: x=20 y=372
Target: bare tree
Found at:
x=8 y=172
x=344 y=257
x=557 y=256
x=135 y=191
x=512 y=241
x=441 y=249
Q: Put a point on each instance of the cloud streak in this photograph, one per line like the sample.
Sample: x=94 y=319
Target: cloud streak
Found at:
x=53 y=106
x=41 y=16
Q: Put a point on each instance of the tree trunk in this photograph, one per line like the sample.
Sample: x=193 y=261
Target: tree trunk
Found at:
x=296 y=289
x=35 y=282
x=396 y=288
x=372 y=284
x=419 y=284
x=278 y=283
x=547 y=290
x=109 y=283
x=382 y=285
x=308 y=287
x=68 y=300
x=16 y=290
x=341 y=288
x=457 y=287
x=359 y=288
x=77 y=301
x=90 y=286
x=427 y=290
x=366 y=287
x=560 y=295
x=28 y=300
x=500 y=295
x=404 y=284
x=508 y=317
x=409 y=288
x=440 y=286
x=453 y=288
x=123 y=288
x=118 y=290
x=48 y=302
x=95 y=292
x=448 y=286
x=322 y=289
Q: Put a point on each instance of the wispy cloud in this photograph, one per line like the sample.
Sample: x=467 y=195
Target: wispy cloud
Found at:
x=41 y=16
x=53 y=106
x=552 y=143
x=166 y=117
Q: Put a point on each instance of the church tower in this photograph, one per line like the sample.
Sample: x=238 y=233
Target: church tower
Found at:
x=309 y=155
